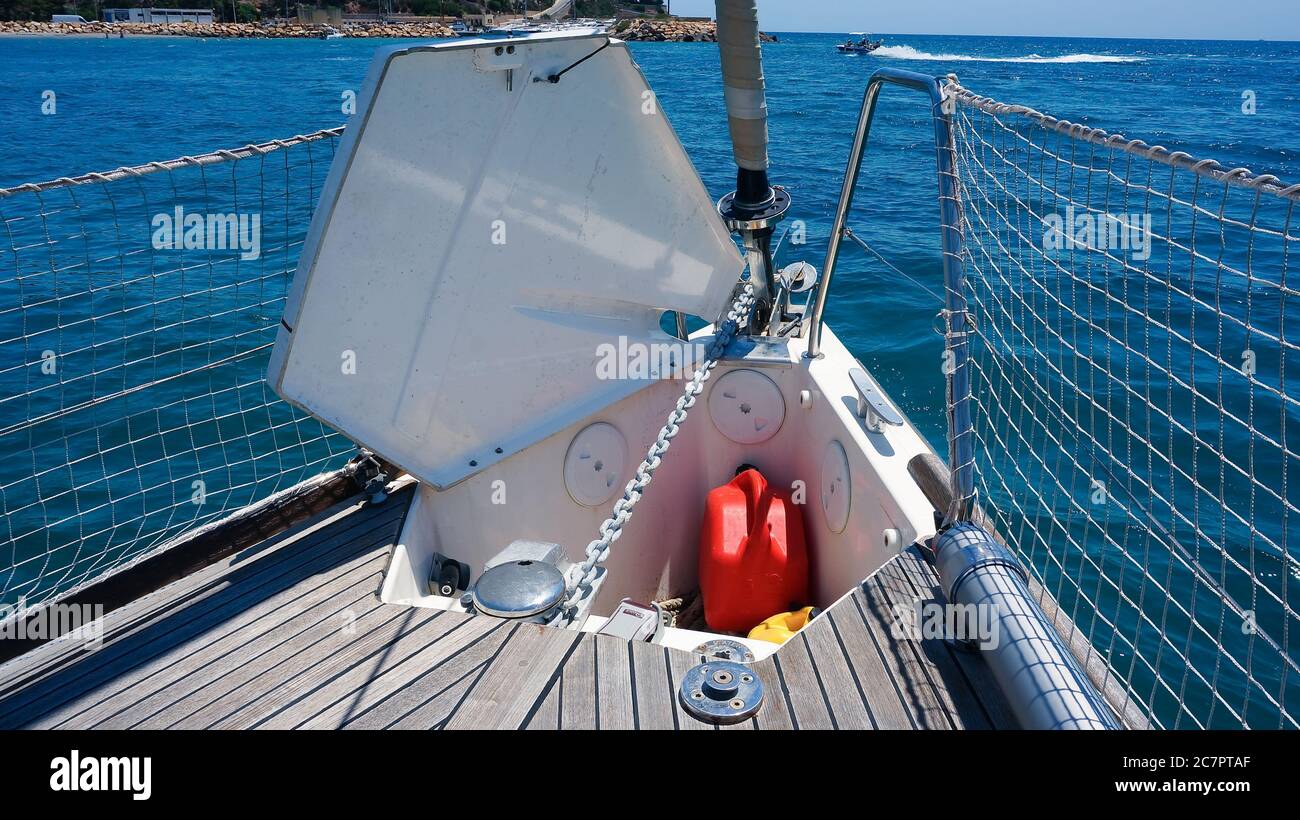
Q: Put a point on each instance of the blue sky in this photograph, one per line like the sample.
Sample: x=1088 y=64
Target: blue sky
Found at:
x=1188 y=19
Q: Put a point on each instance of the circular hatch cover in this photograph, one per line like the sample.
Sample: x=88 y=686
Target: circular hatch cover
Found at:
x=746 y=406
x=836 y=487
x=594 y=464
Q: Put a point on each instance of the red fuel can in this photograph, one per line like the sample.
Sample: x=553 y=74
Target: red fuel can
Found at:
x=753 y=558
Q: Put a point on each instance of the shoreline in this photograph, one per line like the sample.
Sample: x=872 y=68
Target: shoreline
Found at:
x=219 y=31
x=673 y=31
x=643 y=31
x=80 y=35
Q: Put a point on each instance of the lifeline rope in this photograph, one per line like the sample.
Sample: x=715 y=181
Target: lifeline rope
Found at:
x=198 y=160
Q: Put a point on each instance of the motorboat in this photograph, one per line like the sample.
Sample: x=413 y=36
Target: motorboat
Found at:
x=863 y=45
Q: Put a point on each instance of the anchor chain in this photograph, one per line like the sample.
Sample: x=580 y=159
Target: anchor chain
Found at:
x=598 y=550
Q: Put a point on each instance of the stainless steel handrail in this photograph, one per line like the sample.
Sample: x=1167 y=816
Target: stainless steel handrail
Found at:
x=961 y=452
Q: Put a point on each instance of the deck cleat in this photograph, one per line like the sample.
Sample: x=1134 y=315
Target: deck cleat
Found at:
x=448 y=576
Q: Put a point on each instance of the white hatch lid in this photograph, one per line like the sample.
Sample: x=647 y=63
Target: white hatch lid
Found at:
x=482 y=233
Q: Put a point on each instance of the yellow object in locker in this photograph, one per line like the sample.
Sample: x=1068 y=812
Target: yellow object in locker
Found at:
x=781 y=628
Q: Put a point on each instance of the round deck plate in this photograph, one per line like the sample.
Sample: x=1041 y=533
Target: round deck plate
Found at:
x=724 y=649
x=594 y=464
x=721 y=692
x=746 y=406
x=836 y=487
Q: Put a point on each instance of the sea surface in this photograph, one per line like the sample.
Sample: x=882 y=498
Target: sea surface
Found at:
x=124 y=102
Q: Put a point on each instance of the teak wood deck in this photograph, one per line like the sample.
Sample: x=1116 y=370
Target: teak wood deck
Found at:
x=290 y=633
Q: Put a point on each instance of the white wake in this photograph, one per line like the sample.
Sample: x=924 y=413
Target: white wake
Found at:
x=909 y=53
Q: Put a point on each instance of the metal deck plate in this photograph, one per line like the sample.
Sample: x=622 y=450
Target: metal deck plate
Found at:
x=759 y=351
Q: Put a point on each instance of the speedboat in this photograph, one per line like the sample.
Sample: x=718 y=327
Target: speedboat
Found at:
x=863 y=45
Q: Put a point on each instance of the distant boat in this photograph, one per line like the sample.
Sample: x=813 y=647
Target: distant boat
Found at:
x=331 y=33
x=865 y=45
x=515 y=31
x=514 y=28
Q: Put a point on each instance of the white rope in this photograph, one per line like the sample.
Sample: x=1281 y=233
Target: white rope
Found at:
x=210 y=158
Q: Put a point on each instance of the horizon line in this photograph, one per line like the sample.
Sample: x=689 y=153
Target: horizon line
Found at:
x=1046 y=36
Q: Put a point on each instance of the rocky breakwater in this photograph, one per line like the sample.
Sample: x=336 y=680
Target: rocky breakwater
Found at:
x=226 y=30
x=397 y=30
x=673 y=31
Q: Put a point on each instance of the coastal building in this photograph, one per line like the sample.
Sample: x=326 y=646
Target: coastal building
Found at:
x=151 y=15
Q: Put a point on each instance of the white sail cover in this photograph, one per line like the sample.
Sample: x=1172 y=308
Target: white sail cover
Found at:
x=483 y=232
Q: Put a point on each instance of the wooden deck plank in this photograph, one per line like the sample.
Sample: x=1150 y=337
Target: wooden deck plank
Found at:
x=191 y=594
x=184 y=673
x=50 y=687
x=437 y=712
x=429 y=699
x=210 y=693
x=259 y=642
x=654 y=694
x=614 y=685
x=288 y=667
x=396 y=672
x=341 y=521
x=344 y=649
x=978 y=679
x=515 y=679
x=217 y=695
x=848 y=704
x=899 y=659
x=438 y=638
x=934 y=660
x=547 y=715
x=247 y=593
x=775 y=711
x=177 y=672
x=803 y=689
x=887 y=707
x=578 y=697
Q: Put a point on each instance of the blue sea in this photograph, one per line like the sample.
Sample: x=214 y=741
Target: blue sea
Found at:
x=124 y=102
